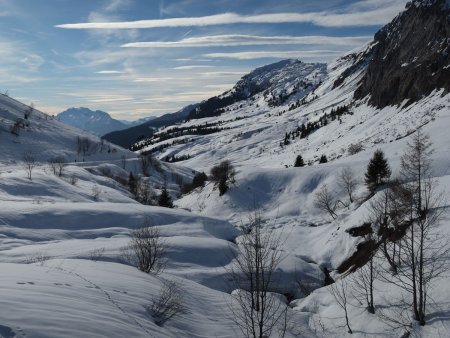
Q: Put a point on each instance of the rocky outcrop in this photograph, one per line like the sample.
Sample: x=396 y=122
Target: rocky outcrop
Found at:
x=410 y=56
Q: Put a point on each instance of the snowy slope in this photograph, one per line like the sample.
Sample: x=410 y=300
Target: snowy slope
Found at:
x=61 y=245
x=45 y=137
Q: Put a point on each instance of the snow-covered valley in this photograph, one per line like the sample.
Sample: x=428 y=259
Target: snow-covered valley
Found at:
x=68 y=212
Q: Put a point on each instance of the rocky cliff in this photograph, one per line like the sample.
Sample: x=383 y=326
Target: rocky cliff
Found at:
x=410 y=56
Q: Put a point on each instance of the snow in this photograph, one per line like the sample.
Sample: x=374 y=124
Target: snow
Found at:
x=62 y=260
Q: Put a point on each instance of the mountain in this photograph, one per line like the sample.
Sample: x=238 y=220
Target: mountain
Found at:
x=96 y=122
x=131 y=135
x=410 y=56
x=279 y=83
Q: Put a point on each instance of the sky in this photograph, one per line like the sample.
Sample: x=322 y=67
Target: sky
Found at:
x=138 y=58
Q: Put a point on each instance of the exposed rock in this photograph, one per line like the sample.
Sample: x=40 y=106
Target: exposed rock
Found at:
x=360 y=231
x=410 y=56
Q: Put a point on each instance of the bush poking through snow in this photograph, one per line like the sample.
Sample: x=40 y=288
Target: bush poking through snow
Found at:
x=146 y=249
x=96 y=254
x=198 y=181
x=168 y=304
x=223 y=175
x=323 y=159
x=96 y=192
x=299 y=161
x=73 y=179
x=57 y=164
x=29 y=161
x=355 y=148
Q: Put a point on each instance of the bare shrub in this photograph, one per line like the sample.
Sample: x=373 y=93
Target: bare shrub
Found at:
x=73 y=179
x=37 y=258
x=57 y=164
x=168 y=304
x=29 y=161
x=324 y=201
x=96 y=192
x=223 y=175
x=146 y=249
x=18 y=124
x=96 y=254
x=27 y=113
x=258 y=312
x=355 y=148
x=86 y=146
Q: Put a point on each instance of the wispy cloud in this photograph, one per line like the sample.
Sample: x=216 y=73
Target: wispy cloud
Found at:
x=110 y=72
x=364 y=13
x=193 y=67
x=301 y=54
x=251 y=40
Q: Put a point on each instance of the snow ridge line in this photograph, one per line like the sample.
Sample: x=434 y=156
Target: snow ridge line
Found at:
x=108 y=296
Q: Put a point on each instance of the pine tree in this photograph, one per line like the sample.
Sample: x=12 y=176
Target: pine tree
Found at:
x=323 y=159
x=299 y=161
x=378 y=171
x=164 y=199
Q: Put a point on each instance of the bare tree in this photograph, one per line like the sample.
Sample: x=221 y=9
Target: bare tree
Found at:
x=364 y=284
x=27 y=113
x=145 y=192
x=347 y=180
x=58 y=164
x=146 y=162
x=29 y=162
x=325 y=202
x=339 y=291
x=169 y=303
x=258 y=311
x=385 y=220
x=146 y=248
x=123 y=159
x=424 y=250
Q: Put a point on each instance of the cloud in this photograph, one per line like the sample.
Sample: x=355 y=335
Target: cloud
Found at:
x=301 y=54
x=107 y=72
x=251 y=40
x=192 y=67
x=363 y=13
x=114 y=5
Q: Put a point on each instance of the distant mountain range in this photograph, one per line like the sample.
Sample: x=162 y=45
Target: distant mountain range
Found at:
x=96 y=122
x=130 y=135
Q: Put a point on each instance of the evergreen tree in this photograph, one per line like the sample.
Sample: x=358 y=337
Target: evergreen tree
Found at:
x=164 y=199
x=323 y=159
x=378 y=171
x=299 y=161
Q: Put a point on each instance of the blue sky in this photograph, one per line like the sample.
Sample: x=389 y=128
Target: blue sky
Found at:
x=135 y=58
